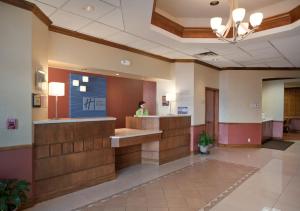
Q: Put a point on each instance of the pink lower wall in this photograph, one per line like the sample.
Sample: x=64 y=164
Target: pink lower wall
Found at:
x=16 y=163
x=238 y=133
x=196 y=130
x=277 y=129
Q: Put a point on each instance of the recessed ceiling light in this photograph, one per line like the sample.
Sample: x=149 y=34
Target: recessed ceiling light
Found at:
x=214 y=3
x=117 y=74
x=89 y=8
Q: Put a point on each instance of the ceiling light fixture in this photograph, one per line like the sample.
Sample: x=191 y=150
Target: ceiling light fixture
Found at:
x=214 y=3
x=88 y=8
x=240 y=29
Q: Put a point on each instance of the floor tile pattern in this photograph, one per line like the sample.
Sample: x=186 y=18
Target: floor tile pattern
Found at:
x=191 y=188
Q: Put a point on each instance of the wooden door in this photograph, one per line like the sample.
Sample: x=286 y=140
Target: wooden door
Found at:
x=212 y=112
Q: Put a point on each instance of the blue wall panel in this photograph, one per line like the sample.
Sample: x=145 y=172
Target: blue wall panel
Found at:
x=91 y=103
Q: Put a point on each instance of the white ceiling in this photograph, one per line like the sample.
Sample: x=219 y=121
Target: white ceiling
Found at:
x=128 y=22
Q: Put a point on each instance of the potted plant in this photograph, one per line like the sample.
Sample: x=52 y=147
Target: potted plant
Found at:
x=204 y=142
x=13 y=193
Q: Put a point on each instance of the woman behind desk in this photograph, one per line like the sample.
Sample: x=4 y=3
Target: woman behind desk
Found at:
x=141 y=111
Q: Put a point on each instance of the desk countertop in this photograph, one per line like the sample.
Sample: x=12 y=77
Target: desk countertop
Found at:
x=66 y=120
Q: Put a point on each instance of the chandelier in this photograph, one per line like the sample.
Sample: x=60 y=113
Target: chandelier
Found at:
x=240 y=29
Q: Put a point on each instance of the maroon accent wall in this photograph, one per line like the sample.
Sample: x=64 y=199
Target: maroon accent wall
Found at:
x=123 y=95
x=238 y=133
x=16 y=163
x=196 y=130
x=149 y=93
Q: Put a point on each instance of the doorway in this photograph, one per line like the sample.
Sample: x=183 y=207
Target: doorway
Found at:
x=212 y=112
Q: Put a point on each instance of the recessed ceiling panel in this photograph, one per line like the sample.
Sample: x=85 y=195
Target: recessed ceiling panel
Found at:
x=123 y=38
x=114 y=19
x=97 y=8
x=113 y=2
x=55 y=3
x=68 y=20
x=202 y=8
x=98 y=30
x=289 y=47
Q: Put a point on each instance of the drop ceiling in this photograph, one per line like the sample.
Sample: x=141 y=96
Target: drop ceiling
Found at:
x=127 y=22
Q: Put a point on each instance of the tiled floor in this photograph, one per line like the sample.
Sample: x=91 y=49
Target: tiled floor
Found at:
x=190 y=188
x=276 y=186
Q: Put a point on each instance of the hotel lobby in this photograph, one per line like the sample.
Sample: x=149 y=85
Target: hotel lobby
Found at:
x=150 y=105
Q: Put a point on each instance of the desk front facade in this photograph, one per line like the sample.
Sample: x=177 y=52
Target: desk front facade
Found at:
x=175 y=138
x=72 y=154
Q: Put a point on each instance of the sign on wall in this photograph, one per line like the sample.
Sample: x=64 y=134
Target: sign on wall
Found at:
x=88 y=103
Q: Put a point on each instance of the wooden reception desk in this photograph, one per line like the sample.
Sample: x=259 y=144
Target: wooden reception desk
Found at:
x=70 y=154
x=175 y=138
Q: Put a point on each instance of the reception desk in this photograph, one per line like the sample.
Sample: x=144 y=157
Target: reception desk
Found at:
x=175 y=138
x=129 y=145
x=70 y=154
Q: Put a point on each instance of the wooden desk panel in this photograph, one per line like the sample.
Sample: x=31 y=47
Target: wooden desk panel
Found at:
x=175 y=142
x=71 y=156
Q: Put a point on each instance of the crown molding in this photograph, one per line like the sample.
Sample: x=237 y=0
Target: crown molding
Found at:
x=206 y=32
x=30 y=7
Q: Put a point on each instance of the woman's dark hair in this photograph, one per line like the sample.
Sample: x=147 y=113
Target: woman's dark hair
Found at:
x=141 y=103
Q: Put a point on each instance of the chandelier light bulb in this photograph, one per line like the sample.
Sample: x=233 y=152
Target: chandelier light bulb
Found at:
x=256 y=19
x=238 y=15
x=215 y=23
x=221 y=30
x=243 y=28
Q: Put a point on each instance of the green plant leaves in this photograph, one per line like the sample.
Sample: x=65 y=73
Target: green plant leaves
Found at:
x=12 y=193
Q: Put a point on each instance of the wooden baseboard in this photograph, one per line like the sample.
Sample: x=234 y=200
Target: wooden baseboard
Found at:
x=240 y=145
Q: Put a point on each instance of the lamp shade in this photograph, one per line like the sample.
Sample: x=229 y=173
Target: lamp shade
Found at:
x=238 y=14
x=56 y=89
x=243 y=28
x=170 y=96
x=221 y=30
x=256 y=19
x=215 y=23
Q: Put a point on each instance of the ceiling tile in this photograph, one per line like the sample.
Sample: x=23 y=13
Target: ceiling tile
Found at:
x=265 y=53
x=113 y=2
x=225 y=49
x=160 y=50
x=68 y=20
x=280 y=62
x=288 y=46
x=98 y=30
x=176 y=55
x=252 y=46
x=114 y=19
x=123 y=38
x=143 y=45
x=54 y=3
x=48 y=10
x=77 y=7
x=256 y=65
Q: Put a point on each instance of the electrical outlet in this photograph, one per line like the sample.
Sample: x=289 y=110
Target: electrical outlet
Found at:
x=249 y=140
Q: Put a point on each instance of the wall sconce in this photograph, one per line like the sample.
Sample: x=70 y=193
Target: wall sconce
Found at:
x=85 y=79
x=75 y=82
x=82 y=88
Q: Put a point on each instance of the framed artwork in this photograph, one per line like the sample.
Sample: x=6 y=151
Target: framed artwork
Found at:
x=164 y=101
x=36 y=100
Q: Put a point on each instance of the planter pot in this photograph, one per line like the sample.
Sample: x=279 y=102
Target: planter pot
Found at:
x=203 y=149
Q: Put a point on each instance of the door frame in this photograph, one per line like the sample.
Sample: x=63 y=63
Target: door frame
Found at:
x=214 y=103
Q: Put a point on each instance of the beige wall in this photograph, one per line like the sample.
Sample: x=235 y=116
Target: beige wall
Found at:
x=273 y=100
x=87 y=54
x=190 y=81
x=241 y=90
x=15 y=79
x=39 y=61
x=204 y=77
